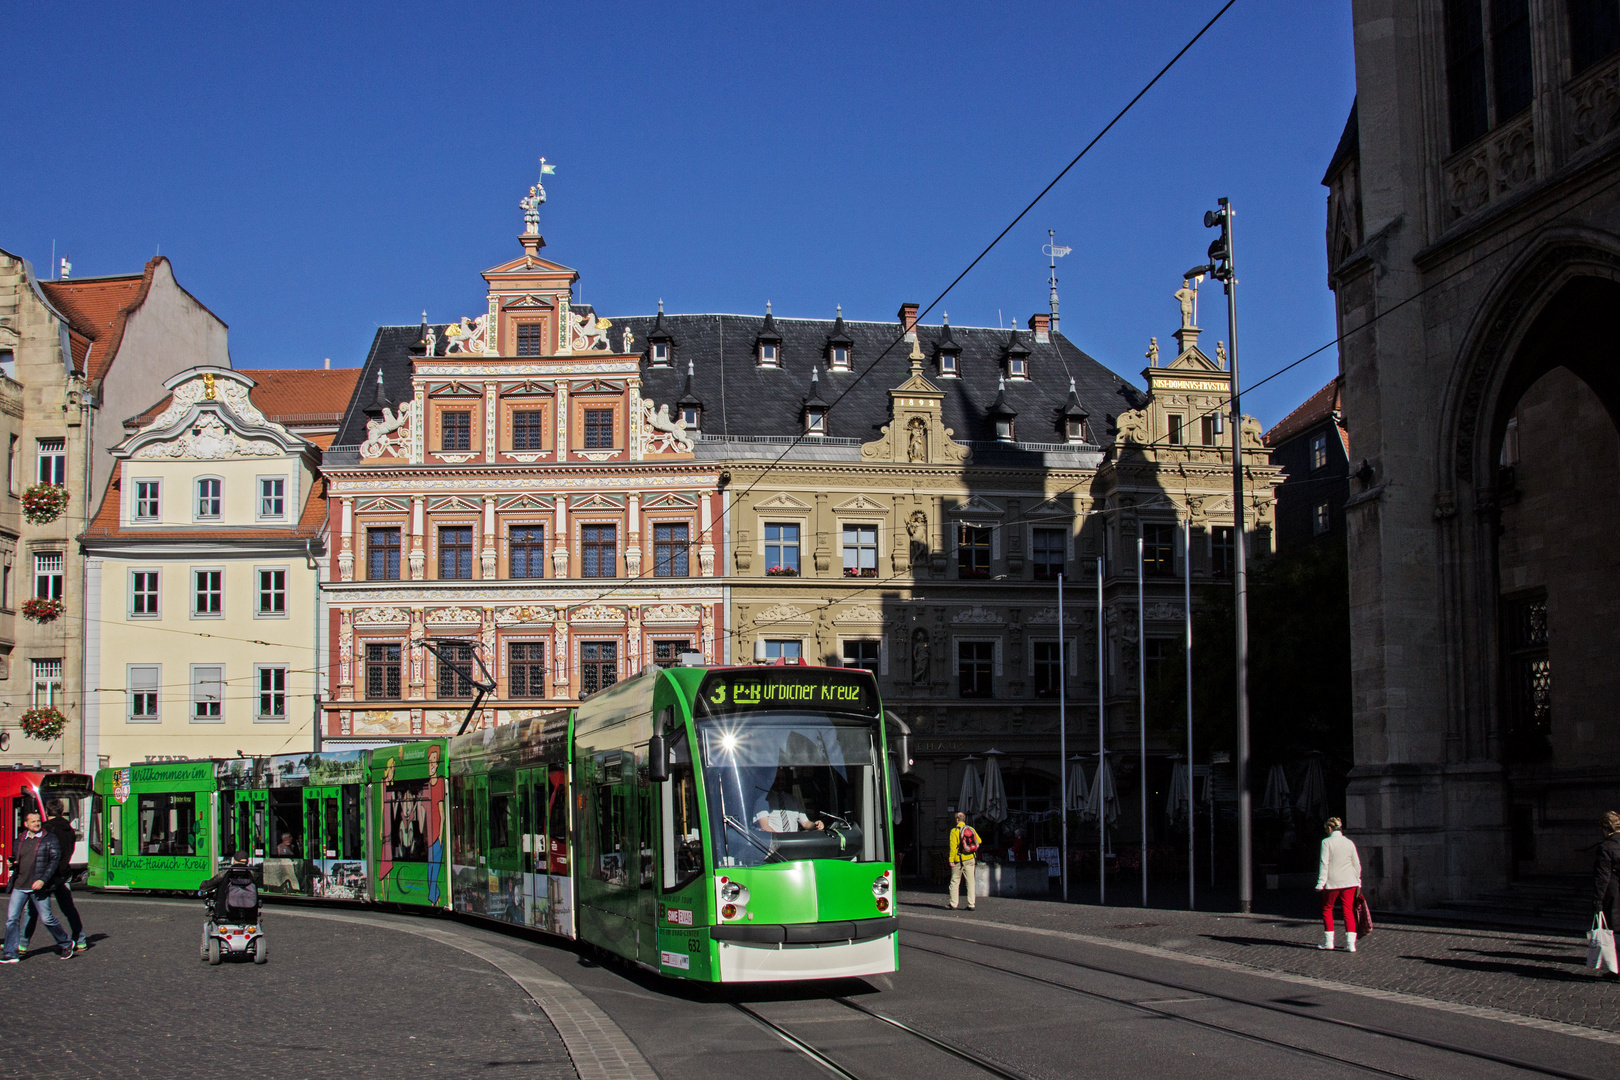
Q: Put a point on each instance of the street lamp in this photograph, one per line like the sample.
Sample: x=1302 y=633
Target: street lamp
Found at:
x=1222 y=268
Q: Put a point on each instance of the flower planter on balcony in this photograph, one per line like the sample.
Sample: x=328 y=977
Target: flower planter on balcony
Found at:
x=44 y=503
x=41 y=610
x=44 y=724
x=781 y=571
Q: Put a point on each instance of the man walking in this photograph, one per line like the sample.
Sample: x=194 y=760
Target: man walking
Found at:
x=36 y=855
x=964 y=857
x=61 y=890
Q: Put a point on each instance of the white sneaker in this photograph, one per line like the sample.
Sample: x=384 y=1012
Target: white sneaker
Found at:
x=1327 y=940
x=1349 y=941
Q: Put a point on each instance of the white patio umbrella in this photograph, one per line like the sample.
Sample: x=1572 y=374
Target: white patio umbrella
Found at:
x=1276 y=800
x=995 y=792
x=1312 y=799
x=1176 y=807
x=1076 y=790
x=1104 y=795
x=971 y=799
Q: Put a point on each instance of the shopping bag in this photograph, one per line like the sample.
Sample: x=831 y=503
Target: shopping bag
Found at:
x=1363 y=916
x=1600 y=947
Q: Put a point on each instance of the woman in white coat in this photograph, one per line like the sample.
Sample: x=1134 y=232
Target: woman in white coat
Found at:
x=1338 y=880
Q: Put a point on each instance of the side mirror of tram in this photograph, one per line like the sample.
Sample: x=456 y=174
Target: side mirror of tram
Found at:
x=657 y=760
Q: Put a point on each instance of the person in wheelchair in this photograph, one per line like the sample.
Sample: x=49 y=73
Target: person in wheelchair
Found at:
x=233 y=893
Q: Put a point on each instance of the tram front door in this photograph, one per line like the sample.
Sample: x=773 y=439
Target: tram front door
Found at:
x=333 y=842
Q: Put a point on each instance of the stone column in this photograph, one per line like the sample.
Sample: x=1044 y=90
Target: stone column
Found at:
x=418 y=557
x=346 y=662
x=346 y=543
x=632 y=542
x=706 y=536
x=559 y=546
x=900 y=547
x=823 y=554
x=488 y=556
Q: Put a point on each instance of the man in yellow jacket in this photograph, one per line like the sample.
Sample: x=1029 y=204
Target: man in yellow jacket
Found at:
x=964 y=857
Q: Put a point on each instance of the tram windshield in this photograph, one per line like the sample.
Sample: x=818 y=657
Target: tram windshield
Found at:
x=787 y=786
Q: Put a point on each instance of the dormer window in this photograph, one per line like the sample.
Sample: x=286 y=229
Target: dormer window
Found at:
x=692 y=417
x=815 y=421
x=1002 y=414
x=1004 y=429
x=1075 y=429
x=947 y=364
x=840 y=358
x=768 y=354
x=660 y=354
x=1017 y=367
x=839 y=344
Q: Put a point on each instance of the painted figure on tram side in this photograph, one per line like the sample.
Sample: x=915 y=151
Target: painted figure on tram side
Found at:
x=1338 y=880
x=385 y=857
x=435 y=830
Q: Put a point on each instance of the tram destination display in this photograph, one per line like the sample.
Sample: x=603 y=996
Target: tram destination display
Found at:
x=728 y=692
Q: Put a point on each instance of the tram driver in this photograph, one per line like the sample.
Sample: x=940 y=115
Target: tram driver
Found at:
x=783 y=811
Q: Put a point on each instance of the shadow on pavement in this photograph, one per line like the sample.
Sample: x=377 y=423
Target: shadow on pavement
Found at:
x=1498 y=968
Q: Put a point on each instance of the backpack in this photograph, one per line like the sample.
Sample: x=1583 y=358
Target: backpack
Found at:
x=968 y=842
x=240 y=891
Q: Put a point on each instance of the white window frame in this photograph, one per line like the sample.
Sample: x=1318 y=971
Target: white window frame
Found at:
x=949 y=365
x=882 y=644
x=877 y=546
x=135 y=515
x=774 y=356
x=660 y=354
x=835 y=362
x=195 y=592
x=46 y=679
x=815 y=422
x=778 y=643
x=259 y=692
x=260 y=513
x=802 y=524
x=14 y=464
x=155 y=689
x=258 y=592
x=197 y=498
x=43 y=574
x=693 y=416
x=54 y=451
x=193 y=699
x=157 y=594
x=1017 y=367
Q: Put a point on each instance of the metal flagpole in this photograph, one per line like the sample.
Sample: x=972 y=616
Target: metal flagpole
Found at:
x=1102 y=727
x=1192 y=816
x=1141 y=704
x=1063 y=740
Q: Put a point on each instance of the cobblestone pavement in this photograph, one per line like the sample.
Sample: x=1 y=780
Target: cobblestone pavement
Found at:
x=1537 y=975
x=336 y=999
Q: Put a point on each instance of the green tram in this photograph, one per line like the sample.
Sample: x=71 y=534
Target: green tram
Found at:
x=713 y=824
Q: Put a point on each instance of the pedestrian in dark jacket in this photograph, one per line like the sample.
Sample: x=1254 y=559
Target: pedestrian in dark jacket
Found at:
x=61 y=889
x=36 y=854
x=1606 y=874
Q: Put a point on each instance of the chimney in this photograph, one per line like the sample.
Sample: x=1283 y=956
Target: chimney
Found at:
x=908 y=320
x=328 y=365
x=1042 y=326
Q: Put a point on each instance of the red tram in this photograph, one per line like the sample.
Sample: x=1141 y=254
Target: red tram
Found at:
x=25 y=789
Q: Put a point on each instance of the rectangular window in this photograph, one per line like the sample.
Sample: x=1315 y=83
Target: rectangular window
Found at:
x=143 y=681
x=169 y=824
x=208 y=592
x=47 y=682
x=455 y=429
x=598 y=550
x=1159 y=654
x=1594 y=32
x=860 y=551
x=782 y=549
x=528 y=339
x=208 y=497
x=784 y=650
x=863 y=654
x=1047 y=551
x=1207 y=423
x=1222 y=551
x=1158 y=548
x=1321 y=519
x=272 y=680
x=143 y=593
x=13 y=467
x=840 y=358
x=767 y=354
x=455 y=553
x=660 y=353
x=670 y=550
x=668 y=653
x=147 y=504
x=382 y=670
x=1174 y=421
x=1510 y=57
x=598 y=429
x=207 y=694
x=947 y=363
x=972 y=551
x=975 y=660
x=528 y=429
x=52 y=461
x=1048 y=669
x=48 y=575
x=1465 y=71
x=598 y=665
x=1017 y=367
x=272 y=497
x=526 y=669
x=382 y=554
x=528 y=550
x=272 y=592
x=452 y=683
x=1319 y=456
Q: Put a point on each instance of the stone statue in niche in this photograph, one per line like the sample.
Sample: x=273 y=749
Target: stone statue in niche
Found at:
x=917 y=439
x=919 y=656
x=917 y=528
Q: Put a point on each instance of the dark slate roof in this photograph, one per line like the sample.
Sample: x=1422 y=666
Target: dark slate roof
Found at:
x=1349 y=145
x=741 y=398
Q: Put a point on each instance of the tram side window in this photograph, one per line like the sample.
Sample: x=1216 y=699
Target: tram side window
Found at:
x=286 y=824
x=227 y=827
x=405 y=820
x=612 y=824
x=329 y=837
x=557 y=838
x=683 y=842
x=168 y=824
x=461 y=831
x=500 y=832
x=97 y=840
x=351 y=822
x=115 y=829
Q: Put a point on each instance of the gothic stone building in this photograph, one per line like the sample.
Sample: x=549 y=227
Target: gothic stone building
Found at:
x=1474 y=247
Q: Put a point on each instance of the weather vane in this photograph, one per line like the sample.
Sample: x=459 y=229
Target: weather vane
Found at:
x=1053 y=253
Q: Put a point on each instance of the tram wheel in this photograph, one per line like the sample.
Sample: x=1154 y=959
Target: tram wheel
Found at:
x=213 y=951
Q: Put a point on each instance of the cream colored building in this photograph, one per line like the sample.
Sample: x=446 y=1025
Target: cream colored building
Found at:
x=202 y=575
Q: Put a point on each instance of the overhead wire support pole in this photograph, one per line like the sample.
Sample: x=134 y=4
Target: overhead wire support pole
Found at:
x=1192 y=817
x=1102 y=734
x=1141 y=706
x=1063 y=739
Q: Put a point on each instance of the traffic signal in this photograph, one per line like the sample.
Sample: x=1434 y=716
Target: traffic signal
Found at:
x=1220 y=250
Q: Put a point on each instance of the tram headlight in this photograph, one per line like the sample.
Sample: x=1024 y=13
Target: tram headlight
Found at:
x=883 y=885
x=730 y=891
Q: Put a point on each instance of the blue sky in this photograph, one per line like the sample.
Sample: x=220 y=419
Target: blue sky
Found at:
x=316 y=170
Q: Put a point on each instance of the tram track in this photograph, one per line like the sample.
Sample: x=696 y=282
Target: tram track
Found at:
x=825 y=1059
x=1200 y=992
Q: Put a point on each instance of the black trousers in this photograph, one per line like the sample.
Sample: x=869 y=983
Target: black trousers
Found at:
x=63 y=894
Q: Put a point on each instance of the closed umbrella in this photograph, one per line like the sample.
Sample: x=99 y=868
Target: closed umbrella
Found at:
x=1176 y=807
x=971 y=799
x=1312 y=799
x=1076 y=791
x=1104 y=795
x=995 y=792
x=1276 y=800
